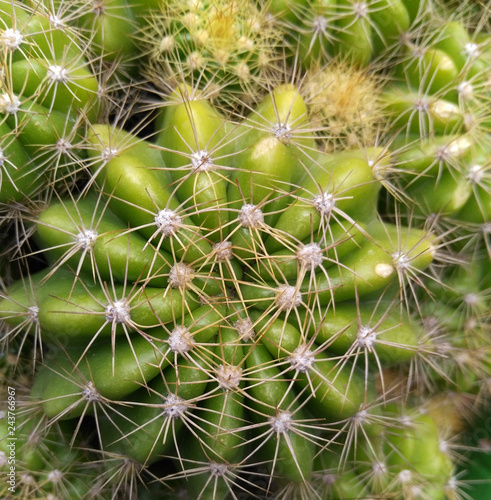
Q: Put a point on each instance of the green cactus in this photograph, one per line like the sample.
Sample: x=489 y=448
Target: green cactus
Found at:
x=246 y=248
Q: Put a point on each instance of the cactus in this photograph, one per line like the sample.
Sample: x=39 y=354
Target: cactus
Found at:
x=246 y=249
